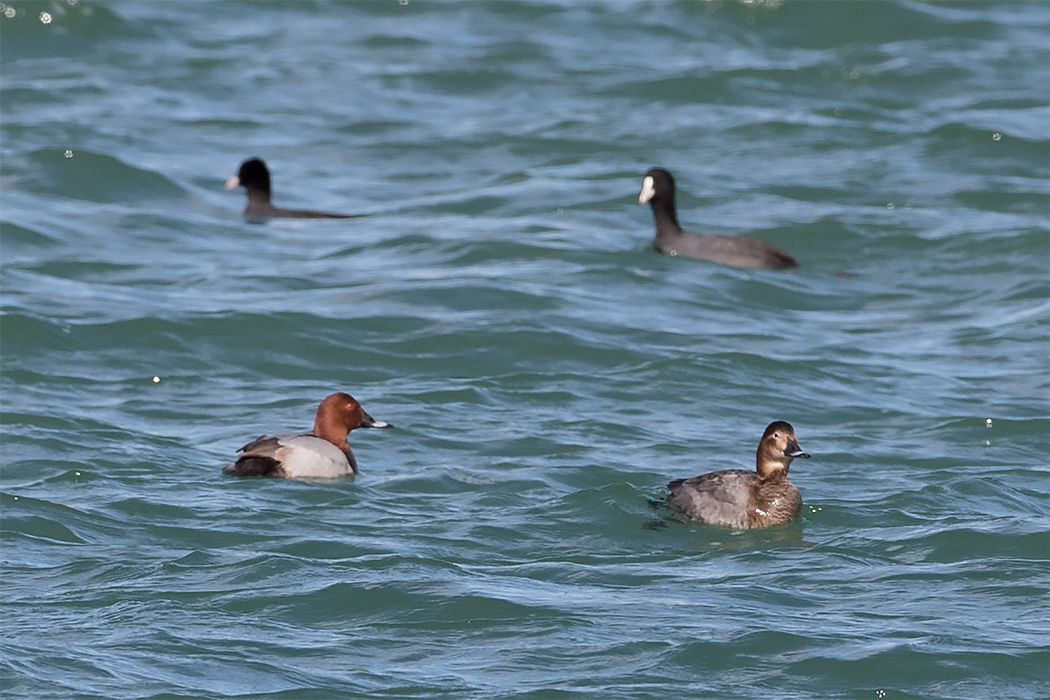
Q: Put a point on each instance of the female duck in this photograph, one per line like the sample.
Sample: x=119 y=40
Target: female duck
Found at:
x=254 y=177
x=322 y=454
x=742 y=499
x=672 y=239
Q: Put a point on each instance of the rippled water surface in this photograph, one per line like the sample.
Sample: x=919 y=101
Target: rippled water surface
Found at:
x=547 y=372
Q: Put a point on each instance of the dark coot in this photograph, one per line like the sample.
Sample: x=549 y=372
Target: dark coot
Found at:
x=254 y=177
x=672 y=239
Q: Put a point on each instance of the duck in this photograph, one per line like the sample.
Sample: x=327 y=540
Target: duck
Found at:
x=744 y=499
x=658 y=189
x=254 y=177
x=321 y=454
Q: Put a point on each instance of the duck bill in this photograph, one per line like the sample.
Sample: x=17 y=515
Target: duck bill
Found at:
x=793 y=450
x=233 y=182
x=647 y=190
x=369 y=422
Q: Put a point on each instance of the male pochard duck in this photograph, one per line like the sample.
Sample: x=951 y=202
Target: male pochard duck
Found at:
x=322 y=454
x=254 y=177
x=658 y=190
x=745 y=499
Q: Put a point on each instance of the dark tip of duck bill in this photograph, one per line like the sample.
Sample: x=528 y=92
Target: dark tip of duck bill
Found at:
x=798 y=453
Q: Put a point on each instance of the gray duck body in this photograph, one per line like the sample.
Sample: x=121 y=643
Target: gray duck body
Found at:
x=736 y=498
x=744 y=499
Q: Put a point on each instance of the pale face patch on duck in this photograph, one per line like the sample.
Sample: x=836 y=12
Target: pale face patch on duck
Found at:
x=648 y=190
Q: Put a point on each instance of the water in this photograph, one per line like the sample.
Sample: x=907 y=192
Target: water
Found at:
x=547 y=372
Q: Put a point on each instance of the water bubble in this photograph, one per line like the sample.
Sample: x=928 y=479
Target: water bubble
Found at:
x=45 y=18
x=10 y=12
x=988 y=422
x=68 y=154
x=996 y=136
x=891 y=205
x=402 y=2
x=156 y=379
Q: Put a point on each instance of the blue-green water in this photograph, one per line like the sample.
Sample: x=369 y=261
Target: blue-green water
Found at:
x=547 y=372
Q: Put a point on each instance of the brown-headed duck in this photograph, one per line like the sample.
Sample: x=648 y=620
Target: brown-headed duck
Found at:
x=672 y=239
x=254 y=177
x=744 y=499
x=322 y=454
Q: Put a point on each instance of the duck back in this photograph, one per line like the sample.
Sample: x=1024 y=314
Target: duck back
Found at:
x=716 y=498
